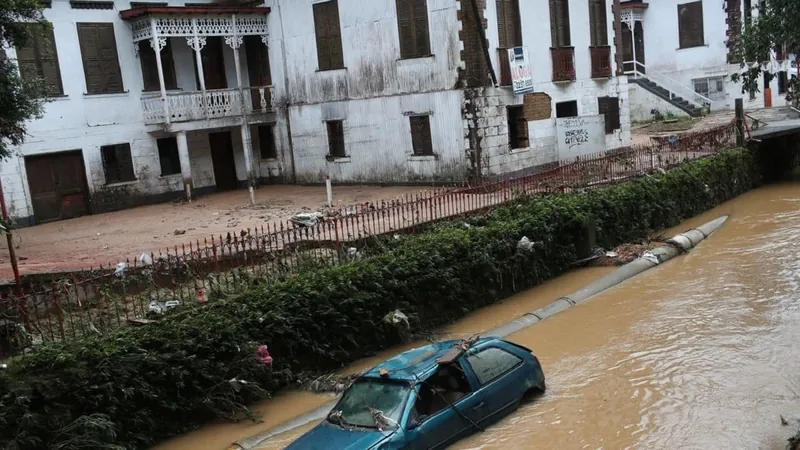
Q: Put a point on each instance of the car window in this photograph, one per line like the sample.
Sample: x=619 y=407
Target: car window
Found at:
x=492 y=362
x=385 y=396
x=445 y=387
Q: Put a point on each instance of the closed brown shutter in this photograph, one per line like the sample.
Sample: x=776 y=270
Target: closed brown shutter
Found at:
x=100 y=59
x=598 y=23
x=509 y=24
x=421 y=135
x=39 y=59
x=328 y=35
x=421 y=33
x=559 y=23
x=257 y=61
x=147 y=59
x=405 y=29
x=609 y=108
x=690 y=25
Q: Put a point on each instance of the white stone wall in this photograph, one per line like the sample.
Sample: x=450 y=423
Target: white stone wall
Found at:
x=642 y=103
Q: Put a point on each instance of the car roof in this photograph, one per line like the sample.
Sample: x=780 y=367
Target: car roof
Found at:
x=416 y=364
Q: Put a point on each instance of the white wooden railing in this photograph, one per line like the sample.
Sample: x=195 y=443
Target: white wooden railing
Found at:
x=211 y=104
x=675 y=88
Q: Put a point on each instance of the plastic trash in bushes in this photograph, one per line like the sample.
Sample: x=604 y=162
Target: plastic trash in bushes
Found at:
x=262 y=354
x=396 y=317
x=307 y=219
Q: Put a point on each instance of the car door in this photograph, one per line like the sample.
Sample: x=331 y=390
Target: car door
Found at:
x=501 y=380
x=450 y=423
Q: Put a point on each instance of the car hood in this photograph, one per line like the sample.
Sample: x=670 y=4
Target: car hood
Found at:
x=329 y=437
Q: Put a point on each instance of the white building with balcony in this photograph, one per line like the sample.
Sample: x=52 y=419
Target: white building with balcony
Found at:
x=158 y=100
x=680 y=61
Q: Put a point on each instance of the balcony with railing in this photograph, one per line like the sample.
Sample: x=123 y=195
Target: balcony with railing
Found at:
x=601 y=61
x=206 y=105
x=208 y=32
x=563 y=59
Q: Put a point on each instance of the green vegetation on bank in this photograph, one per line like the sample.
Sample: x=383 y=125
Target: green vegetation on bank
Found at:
x=137 y=386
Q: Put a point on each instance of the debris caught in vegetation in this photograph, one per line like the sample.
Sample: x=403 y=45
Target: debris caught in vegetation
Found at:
x=307 y=219
x=526 y=244
x=625 y=253
x=120 y=270
x=157 y=307
x=396 y=317
x=262 y=354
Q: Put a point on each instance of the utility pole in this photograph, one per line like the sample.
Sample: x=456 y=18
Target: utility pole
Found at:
x=11 y=253
x=618 y=37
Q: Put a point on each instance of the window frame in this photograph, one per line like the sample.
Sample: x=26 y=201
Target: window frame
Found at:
x=556 y=28
x=598 y=26
x=423 y=141
x=121 y=178
x=509 y=24
x=325 y=31
x=271 y=146
x=335 y=127
x=167 y=65
x=481 y=383
x=163 y=150
x=419 y=39
x=38 y=35
x=685 y=38
x=603 y=105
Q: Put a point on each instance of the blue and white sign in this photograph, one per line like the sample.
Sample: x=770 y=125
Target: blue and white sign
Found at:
x=519 y=65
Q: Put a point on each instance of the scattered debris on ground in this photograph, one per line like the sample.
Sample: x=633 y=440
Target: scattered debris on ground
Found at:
x=327 y=383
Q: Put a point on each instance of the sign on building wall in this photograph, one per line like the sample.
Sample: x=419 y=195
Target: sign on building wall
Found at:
x=519 y=65
x=580 y=136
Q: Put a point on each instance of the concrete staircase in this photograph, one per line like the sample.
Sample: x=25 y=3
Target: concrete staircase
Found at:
x=677 y=101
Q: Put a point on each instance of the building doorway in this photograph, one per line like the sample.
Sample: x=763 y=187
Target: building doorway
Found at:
x=627 y=48
x=58 y=187
x=223 y=160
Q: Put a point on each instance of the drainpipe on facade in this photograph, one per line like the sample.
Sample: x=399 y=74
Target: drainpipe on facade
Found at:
x=247 y=143
x=286 y=94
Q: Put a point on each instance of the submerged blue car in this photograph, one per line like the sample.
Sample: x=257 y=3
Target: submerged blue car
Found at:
x=429 y=397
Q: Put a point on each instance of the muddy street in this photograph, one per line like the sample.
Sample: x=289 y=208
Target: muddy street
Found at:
x=700 y=353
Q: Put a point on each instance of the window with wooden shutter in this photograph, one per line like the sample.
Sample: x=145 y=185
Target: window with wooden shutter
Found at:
x=117 y=163
x=412 y=27
x=509 y=25
x=168 y=156
x=329 y=35
x=690 y=25
x=517 y=127
x=559 y=23
x=257 y=61
x=421 y=135
x=609 y=108
x=266 y=141
x=598 y=23
x=38 y=58
x=147 y=59
x=335 y=139
x=100 y=59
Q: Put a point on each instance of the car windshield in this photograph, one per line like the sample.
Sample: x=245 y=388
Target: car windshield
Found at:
x=359 y=404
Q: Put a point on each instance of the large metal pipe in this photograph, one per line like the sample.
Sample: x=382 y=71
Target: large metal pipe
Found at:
x=680 y=243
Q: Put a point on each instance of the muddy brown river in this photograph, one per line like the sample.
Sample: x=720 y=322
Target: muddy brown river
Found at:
x=700 y=353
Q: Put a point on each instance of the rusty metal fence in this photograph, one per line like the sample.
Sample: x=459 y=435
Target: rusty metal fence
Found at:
x=138 y=290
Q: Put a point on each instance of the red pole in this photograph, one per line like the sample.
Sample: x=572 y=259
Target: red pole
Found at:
x=11 y=253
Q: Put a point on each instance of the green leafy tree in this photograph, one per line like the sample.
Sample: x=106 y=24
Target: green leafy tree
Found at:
x=20 y=100
x=775 y=25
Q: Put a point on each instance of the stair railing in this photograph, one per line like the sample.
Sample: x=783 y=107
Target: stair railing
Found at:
x=673 y=86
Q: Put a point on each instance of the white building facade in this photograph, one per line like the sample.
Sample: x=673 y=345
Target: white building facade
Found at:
x=683 y=47
x=160 y=100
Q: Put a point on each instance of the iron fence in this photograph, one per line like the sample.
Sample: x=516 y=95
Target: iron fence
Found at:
x=138 y=290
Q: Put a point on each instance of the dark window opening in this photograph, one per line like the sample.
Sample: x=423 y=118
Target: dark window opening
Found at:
x=609 y=108
x=559 y=23
x=329 y=35
x=38 y=58
x=336 y=139
x=438 y=392
x=783 y=82
x=100 y=61
x=168 y=156
x=517 y=127
x=748 y=11
x=509 y=24
x=412 y=26
x=690 y=25
x=117 y=163
x=266 y=142
x=567 y=109
x=598 y=23
x=492 y=363
x=147 y=59
x=421 y=135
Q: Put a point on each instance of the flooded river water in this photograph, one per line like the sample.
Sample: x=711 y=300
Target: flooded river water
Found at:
x=700 y=353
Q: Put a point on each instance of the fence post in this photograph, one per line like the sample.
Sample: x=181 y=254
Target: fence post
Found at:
x=739 y=122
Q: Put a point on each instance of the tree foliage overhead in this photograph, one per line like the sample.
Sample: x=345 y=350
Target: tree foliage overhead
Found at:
x=773 y=26
x=20 y=100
